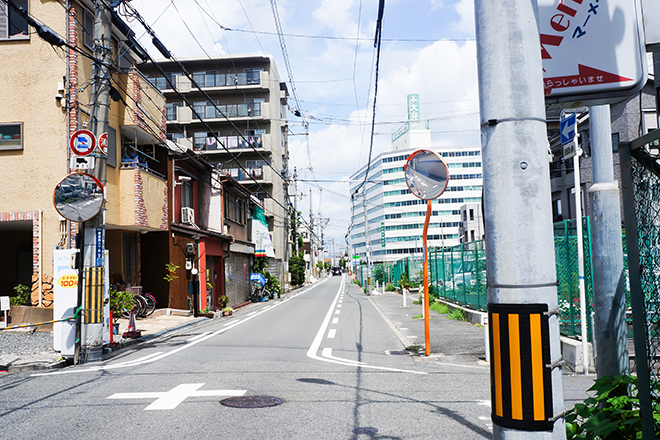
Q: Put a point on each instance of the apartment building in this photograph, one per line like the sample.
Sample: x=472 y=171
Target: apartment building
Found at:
x=233 y=111
x=395 y=217
x=47 y=98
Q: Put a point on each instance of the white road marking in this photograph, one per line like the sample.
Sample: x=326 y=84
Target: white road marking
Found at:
x=197 y=336
x=161 y=355
x=331 y=333
x=338 y=305
x=326 y=354
x=335 y=320
x=172 y=398
x=337 y=312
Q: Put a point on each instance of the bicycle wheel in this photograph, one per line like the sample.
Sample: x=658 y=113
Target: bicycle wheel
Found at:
x=140 y=307
x=151 y=303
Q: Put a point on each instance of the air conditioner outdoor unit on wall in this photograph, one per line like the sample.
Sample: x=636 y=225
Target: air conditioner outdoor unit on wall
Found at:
x=187 y=215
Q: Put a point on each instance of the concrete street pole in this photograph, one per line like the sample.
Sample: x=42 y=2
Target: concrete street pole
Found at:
x=526 y=376
x=92 y=338
x=367 y=239
x=607 y=250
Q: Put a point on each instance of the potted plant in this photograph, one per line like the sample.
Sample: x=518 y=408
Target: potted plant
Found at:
x=226 y=311
x=223 y=300
x=119 y=301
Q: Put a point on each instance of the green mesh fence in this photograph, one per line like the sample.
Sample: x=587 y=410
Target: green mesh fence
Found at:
x=458 y=274
x=566 y=262
x=646 y=188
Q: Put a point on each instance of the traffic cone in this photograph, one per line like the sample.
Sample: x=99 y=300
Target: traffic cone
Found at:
x=132 y=332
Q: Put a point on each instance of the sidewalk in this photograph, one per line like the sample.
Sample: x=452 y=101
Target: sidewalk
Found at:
x=455 y=342
x=26 y=350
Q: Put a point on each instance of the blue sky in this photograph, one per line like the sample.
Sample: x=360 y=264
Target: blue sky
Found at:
x=334 y=77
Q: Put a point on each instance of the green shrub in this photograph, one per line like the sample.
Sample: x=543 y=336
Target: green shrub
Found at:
x=441 y=308
x=119 y=301
x=22 y=297
x=457 y=314
x=612 y=413
x=389 y=287
x=418 y=317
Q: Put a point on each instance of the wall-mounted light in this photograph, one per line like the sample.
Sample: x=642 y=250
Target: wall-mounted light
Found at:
x=182 y=179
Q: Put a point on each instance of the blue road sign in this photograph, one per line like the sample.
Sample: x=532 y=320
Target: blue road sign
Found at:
x=567 y=128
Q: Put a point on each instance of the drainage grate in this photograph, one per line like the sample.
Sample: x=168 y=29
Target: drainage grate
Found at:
x=252 y=401
x=365 y=430
x=399 y=353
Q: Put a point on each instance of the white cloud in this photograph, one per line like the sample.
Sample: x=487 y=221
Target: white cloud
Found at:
x=465 y=8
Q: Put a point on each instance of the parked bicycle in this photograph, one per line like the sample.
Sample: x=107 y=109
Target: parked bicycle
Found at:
x=144 y=304
x=259 y=291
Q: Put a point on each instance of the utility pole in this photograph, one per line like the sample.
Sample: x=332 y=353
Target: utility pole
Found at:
x=526 y=376
x=311 y=236
x=90 y=345
x=367 y=239
x=607 y=249
x=295 y=212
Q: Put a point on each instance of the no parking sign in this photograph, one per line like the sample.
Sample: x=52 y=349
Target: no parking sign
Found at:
x=82 y=142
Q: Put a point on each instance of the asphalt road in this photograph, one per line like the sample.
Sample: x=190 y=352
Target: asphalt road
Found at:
x=325 y=351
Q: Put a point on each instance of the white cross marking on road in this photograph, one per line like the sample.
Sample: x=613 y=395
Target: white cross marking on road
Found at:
x=172 y=398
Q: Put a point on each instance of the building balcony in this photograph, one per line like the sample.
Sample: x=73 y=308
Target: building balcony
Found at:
x=136 y=200
x=219 y=113
x=145 y=109
x=262 y=175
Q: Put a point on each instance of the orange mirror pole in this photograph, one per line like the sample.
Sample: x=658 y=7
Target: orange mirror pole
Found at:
x=427 y=339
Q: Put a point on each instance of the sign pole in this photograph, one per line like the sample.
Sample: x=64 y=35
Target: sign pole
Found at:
x=427 y=338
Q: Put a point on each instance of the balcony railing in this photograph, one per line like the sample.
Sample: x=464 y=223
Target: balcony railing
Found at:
x=231 y=142
x=250 y=174
x=210 y=111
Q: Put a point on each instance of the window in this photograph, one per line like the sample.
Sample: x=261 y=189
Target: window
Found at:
x=12 y=25
x=234 y=208
x=88 y=29
x=11 y=136
x=199 y=139
x=170 y=110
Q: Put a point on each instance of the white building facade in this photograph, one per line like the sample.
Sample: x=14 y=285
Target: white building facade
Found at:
x=395 y=217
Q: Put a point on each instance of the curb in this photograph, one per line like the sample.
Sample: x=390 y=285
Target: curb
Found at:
x=128 y=342
x=36 y=366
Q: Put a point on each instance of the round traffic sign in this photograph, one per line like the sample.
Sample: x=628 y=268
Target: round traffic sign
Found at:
x=82 y=142
x=103 y=143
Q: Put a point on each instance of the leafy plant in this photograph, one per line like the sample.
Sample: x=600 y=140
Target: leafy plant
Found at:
x=205 y=310
x=457 y=314
x=389 y=287
x=223 y=300
x=418 y=317
x=613 y=412
x=227 y=309
x=22 y=297
x=171 y=272
x=119 y=301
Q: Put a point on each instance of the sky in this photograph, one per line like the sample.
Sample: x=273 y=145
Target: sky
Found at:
x=427 y=48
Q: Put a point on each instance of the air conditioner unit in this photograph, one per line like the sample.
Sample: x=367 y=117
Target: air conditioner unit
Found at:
x=187 y=215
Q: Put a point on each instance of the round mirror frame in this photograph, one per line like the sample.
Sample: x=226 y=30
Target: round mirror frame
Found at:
x=411 y=180
x=78 y=192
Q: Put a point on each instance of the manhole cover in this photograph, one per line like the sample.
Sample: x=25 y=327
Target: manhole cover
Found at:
x=399 y=353
x=252 y=401
x=365 y=430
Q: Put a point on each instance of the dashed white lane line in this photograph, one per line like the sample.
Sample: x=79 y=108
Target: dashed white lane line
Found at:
x=335 y=320
x=331 y=333
x=337 y=312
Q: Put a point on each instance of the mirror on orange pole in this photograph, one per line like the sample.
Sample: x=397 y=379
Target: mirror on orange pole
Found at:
x=427 y=176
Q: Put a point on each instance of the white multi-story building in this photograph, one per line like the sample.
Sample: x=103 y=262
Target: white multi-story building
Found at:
x=395 y=216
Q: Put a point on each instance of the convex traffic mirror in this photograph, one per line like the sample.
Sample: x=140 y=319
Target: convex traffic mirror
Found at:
x=426 y=174
x=78 y=197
